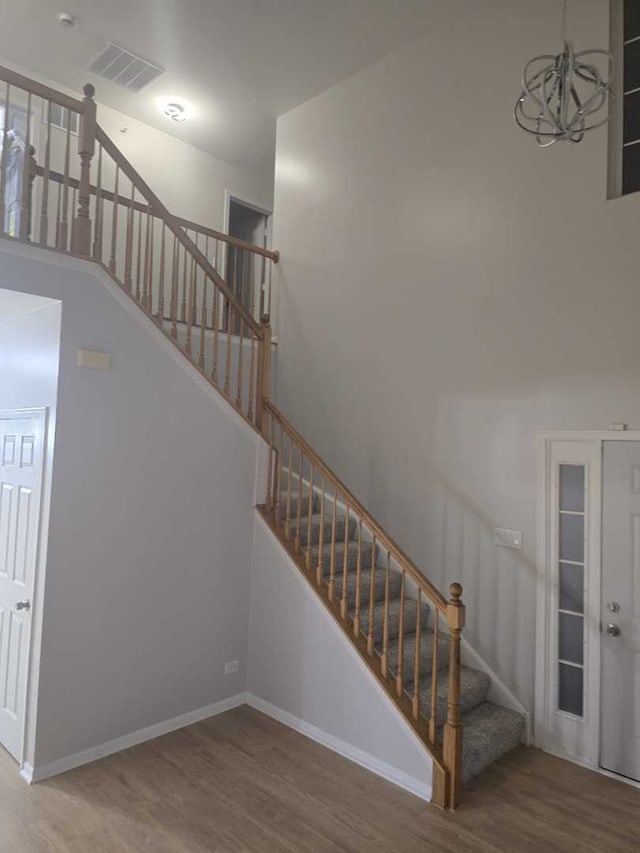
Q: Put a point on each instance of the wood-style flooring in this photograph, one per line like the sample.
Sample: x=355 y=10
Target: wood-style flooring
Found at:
x=242 y=782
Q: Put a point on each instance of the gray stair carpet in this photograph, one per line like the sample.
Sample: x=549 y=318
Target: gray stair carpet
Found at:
x=490 y=730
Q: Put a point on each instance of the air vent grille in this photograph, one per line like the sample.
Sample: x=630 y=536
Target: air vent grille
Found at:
x=125 y=68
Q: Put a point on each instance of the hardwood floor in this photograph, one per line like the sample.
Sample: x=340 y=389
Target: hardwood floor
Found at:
x=242 y=782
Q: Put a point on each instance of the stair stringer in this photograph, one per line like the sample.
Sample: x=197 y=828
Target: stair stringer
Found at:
x=305 y=671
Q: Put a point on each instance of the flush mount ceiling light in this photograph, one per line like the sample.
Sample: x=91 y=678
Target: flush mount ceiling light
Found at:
x=562 y=96
x=66 y=20
x=176 y=112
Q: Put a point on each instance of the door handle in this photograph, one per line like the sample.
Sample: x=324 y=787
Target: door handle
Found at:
x=613 y=630
x=23 y=605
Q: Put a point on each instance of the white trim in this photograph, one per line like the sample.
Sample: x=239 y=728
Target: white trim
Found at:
x=346 y=750
x=62 y=765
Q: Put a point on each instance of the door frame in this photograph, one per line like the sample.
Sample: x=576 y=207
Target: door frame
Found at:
x=37 y=593
x=581 y=447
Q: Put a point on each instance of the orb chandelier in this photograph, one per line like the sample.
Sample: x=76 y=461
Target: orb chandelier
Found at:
x=563 y=96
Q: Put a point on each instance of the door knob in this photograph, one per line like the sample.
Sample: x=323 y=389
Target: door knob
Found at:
x=613 y=631
x=23 y=605
x=613 y=606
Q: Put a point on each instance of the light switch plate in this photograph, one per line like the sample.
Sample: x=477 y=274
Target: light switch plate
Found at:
x=231 y=667
x=507 y=538
x=93 y=359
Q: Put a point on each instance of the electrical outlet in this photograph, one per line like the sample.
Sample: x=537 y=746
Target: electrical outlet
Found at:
x=231 y=666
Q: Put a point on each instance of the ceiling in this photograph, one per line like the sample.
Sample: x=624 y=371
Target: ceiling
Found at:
x=238 y=63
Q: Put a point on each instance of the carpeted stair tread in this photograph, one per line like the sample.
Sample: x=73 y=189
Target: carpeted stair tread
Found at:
x=365 y=586
x=366 y=556
x=304 y=509
x=318 y=522
x=426 y=653
x=490 y=731
x=474 y=685
x=410 y=614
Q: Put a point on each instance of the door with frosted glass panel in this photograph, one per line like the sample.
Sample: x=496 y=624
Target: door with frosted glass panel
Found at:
x=620 y=616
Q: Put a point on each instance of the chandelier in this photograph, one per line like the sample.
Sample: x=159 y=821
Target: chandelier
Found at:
x=562 y=96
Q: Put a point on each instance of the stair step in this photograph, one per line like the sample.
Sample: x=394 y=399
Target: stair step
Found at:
x=325 y=523
x=490 y=731
x=410 y=614
x=426 y=653
x=304 y=509
x=366 y=555
x=474 y=686
x=395 y=581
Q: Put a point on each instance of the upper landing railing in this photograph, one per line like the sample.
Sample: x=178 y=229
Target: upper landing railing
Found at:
x=65 y=185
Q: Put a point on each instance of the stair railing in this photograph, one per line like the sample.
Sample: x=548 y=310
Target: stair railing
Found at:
x=94 y=204
x=356 y=585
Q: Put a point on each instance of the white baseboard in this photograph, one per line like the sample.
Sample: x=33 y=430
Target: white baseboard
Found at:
x=54 y=768
x=375 y=765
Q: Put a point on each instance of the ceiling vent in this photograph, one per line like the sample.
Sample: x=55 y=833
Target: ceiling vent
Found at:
x=125 y=68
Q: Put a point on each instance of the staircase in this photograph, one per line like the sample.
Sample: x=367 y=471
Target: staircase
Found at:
x=211 y=295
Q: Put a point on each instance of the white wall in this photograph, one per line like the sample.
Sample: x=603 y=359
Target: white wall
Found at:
x=148 y=559
x=305 y=672
x=446 y=289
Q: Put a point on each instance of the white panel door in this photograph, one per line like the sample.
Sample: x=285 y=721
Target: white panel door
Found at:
x=21 y=454
x=620 y=694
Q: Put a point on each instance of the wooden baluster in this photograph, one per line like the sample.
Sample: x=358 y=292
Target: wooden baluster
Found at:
x=287 y=522
x=192 y=285
x=452 y=741
x=161 y=286
x=97 y=232
x=144 y=295
x=81 y=237
x=415 y=705
x=215 y=321
x=320 y=566
x=46 y=178
x=203 y=322
x=384 y=662
x=114 y=224
x=62 y=236
x=28 y=174
x=74 y=195
x=183 y=304
x=357 y=607
x=175 y=274
x=4 y=158
x=128 y=255
x=252 y=372
x=58 y=211
x=263 y=378
x=270 y=468
x=433 y=722
x=234 y=280
x=227 y=358
x=194 y=290
x=372 y=598
x=332 y=557
x=400 y=666
x=138 y=292
x=150 y=271
x=309 y=520
x=269 y=290
x=279 y=478
x=300 y=501
x=344 y=602
x=240 y=367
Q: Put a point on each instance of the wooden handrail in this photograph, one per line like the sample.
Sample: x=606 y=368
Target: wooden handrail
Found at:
x=107 y=195
x=381 y=535
x=40 y=90
x=178 y=231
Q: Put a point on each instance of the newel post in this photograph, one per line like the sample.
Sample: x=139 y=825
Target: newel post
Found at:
x=81 y=232
x=263 y=379
x=452 y=742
